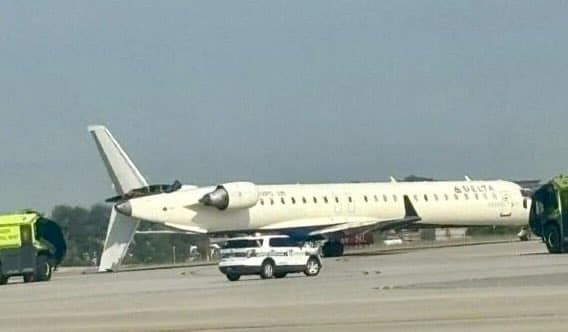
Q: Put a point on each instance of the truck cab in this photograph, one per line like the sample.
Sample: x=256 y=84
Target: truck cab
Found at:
x=548 y=217
x=31 y=246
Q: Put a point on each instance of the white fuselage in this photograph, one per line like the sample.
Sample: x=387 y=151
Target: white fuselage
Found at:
x=281 y=207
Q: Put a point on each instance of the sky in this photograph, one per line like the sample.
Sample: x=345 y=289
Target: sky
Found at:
x=279 y=92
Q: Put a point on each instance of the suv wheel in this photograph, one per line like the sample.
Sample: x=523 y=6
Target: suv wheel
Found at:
x=267 y=270
x=313 y=267
x=233 y=276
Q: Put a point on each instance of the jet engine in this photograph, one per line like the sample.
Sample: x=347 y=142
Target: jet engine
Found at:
x=233 y=195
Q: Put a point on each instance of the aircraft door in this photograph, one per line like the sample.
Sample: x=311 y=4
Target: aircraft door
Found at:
x=507 y=208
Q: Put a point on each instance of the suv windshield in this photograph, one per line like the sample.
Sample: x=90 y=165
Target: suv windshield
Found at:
x=237 y=244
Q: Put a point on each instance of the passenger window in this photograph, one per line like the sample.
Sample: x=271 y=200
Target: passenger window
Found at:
x=315 y=200
x=281 y=242
x=304 y=200
x=385 y=198
x=350 y=199
x=336 y=199
x=261 y=201
x=426 y=197
x=525 y=204
x=282 y=200
x=271 y=201
x=366 y=198
x=293 y=200
x=325 y=199
x=238 y=244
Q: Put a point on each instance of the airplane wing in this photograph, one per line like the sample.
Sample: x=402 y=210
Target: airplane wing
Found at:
x=349 y=225
x=357 y=227
x=188 y=229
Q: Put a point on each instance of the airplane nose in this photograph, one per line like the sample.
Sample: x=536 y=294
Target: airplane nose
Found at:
x=124 y=208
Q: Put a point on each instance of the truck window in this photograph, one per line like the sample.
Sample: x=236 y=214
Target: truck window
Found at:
x=26 y=234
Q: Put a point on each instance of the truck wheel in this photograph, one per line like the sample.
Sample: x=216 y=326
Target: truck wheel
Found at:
x=313 y=267
x=43 y=269
x=233 y=276
x=553 y=239
x=267 y=269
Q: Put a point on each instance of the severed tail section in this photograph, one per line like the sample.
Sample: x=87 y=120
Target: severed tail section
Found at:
x=125 y=177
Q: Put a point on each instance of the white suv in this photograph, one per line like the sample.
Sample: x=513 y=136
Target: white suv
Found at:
x=269 y=256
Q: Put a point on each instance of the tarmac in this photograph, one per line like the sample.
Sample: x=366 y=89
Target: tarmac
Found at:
x=493 y=287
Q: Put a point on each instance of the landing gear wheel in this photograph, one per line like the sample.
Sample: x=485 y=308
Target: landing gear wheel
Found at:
x=233 y=276
x=553 y=239
x=280 y=275
x=313 y=267
x=267 y=270
x=43 y=269
x=332 y=249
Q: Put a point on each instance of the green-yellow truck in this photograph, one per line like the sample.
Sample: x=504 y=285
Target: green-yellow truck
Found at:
x=549 y=214
x=31 y=246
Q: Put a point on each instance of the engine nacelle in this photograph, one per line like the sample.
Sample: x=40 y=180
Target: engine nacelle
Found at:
x=233 y=195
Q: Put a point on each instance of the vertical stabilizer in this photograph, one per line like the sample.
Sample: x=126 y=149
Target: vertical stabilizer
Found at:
x=125 y=177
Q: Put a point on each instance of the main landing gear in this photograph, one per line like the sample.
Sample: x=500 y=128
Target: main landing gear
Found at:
x=332 y=249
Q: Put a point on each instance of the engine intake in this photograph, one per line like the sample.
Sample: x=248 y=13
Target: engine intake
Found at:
x=234 y=195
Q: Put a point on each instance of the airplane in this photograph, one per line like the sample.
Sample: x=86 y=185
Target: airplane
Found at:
x=303 y=211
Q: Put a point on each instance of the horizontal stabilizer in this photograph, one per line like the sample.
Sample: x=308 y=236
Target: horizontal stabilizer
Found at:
x=120 y=231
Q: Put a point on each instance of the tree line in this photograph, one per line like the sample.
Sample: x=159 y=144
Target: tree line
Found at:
x=85 y=231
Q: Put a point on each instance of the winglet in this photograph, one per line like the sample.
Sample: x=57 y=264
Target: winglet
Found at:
x=409 y=210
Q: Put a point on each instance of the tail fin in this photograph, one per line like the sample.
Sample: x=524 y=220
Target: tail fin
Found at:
x=125 y=177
